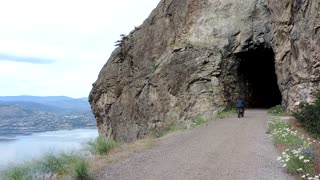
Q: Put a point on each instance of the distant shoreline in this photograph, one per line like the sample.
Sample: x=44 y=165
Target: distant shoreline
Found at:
x=9 y=135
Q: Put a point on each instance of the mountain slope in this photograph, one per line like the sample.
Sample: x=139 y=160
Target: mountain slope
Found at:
x=58 y=101
x=27 y=114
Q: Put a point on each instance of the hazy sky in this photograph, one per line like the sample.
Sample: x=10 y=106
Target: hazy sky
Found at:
x=58 y=47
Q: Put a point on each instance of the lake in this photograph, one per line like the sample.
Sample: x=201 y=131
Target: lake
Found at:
x=23 y=148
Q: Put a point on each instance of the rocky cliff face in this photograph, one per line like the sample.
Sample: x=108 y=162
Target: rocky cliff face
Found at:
x=193 y=58
x=296 y=42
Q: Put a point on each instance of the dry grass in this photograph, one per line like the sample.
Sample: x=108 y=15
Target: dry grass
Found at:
x=98 y=163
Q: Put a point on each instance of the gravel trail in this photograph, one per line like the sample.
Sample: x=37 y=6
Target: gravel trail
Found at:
x=226 y=149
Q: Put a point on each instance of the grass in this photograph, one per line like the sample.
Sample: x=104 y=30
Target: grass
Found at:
x=287 y=137
x=299 y=156
x=198 y=121
x=297 y=162
x=22 y=172
x=125 y=150
x=226 y=113
x=46 y=167
x=168 y=129
x=102 y=145
x=81 y=170
x=278 y=110
x=277 y=123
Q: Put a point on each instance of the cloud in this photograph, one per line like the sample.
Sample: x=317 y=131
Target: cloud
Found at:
x=25 y=59
x=63 y=44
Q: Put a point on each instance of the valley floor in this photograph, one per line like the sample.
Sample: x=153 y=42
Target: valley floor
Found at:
x=229 y=148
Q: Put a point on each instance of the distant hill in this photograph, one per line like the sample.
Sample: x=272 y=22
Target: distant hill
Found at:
x=27 y=114
x=58 y=101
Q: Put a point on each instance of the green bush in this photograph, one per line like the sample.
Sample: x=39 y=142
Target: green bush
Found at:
x=298 y=161
x=287 y=137
x=53 y=164
x=277 y=110
x=172 y=127
x=277 y=124
x=81 y=170
x=49 y=165
x=309 y=116
x=299 y=156
x=102 y=145
x=22 y=172
x=226 y=112
x=198 y=121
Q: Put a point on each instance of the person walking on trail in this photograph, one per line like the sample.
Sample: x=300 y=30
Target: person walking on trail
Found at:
x=240 y=107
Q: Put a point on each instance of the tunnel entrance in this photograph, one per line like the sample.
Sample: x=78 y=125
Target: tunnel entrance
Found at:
x=258 y=79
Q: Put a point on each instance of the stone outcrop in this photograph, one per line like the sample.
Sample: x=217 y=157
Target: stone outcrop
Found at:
x=296 y=42
x=183 y=62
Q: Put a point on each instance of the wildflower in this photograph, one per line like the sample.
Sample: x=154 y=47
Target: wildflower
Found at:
x=306 y=160
x=284 y=165
x=304 y=176
x=301 y=157
x=279 y=158
x=300 y=169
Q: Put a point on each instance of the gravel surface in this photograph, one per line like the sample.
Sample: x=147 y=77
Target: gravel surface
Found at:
x=229 y=148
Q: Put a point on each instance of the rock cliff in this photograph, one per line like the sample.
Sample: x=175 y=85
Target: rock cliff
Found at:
x=193 y=58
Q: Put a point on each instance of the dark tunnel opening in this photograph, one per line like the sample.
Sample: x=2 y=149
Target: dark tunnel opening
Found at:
x=258 y=78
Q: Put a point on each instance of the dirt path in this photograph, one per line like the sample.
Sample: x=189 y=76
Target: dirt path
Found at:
x=228 y=149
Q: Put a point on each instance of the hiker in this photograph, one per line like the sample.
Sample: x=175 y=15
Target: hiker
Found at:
x=240 y=107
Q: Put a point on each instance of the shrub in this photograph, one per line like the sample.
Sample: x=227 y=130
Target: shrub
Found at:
x=17 y=173
x=226 y=112
x=298 y=161
x=288 y=137
x=168 y=129
x=102 y=145
x=299 y=156
x=277 y=124
x=277 y=110
x=198 y=121
x=81 y=171
x=53 y=164
x=49 y=165
x=309 y=116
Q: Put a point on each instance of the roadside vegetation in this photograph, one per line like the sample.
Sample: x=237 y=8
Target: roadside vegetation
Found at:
x=309 y=116
x=278 y=110
x=298 y=154
x=78 y=165
x=102 y=145
x=227 y=112
x=49 y=166
x=157 y=133
x=199 y=121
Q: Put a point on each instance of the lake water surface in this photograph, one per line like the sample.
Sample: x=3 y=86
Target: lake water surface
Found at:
x=24 y=148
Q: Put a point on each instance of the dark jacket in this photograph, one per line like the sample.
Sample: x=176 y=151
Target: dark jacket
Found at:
x=240 y=103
